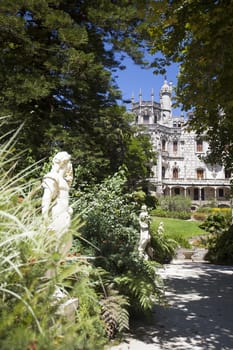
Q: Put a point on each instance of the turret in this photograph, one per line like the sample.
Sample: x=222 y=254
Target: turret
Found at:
x=166 y=100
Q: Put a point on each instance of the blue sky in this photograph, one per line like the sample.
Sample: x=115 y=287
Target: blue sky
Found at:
x=134 y=78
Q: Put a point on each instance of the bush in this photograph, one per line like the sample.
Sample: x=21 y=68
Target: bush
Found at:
x=175 y=203
x=223 y=211
x=159 y=212
x=164 y=247
x=205 y=210
x=181 y=241
x=151 y=201
x=171 y=214
x=220 y=240
x=200 y=216
x=111 y=231
x=220 y=248
x=216 y=224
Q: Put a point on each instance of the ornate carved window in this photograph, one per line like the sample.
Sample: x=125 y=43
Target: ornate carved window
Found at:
x=146 y=119
x=199 y=145
x=200 y=174
x=163 y=172
x=175 y=146
x=175 y=173
x=163 y=145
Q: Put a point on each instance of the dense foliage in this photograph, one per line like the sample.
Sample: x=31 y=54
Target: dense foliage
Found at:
x=111 y=233
x=198 y=35
x=56 y=75
x=173 y=207
x=220 y=239
x=184 y=215
x=36 y=281
x=164 y=247
x=102 y=275
x=175 y=203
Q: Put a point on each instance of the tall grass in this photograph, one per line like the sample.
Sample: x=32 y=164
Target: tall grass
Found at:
x=30 y=310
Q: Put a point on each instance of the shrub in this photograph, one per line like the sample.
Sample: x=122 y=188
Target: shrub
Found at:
x=112 y=231
x=202 y=213
x=215 y=224
x=206 y=210
x=181 y=241
x=164 y=247
x=175 y=203
x=220 y=240
x=171 y=214
x=151 y=201
x=224 y=211
x=220 y=248
x=200 y=216
x=159 y=212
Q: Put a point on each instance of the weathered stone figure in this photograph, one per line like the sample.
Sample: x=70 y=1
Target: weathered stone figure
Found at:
x=144 y=221
x=55 y=200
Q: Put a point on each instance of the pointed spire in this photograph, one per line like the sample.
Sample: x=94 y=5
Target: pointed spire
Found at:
x=152 y=95
x=132 y=98
x=140 y=96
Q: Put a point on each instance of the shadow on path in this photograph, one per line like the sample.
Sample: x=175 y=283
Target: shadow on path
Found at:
x=199 y=315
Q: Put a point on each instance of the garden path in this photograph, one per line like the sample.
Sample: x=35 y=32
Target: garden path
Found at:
x=199 y=315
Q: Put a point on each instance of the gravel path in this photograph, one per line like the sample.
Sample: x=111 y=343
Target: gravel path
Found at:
x=199 y=315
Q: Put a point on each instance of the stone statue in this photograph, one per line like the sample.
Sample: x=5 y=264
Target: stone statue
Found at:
x=144 y=221
x=55 y=200
x=160 y=230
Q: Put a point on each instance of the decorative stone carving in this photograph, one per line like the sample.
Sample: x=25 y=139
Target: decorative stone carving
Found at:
x=144 y=221
x=55 y=200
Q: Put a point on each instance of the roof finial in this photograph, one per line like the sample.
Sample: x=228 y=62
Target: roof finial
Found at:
x=152 y=95
x=132 y=98
x=140 y=96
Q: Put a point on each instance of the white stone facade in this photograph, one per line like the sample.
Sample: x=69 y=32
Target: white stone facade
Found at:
x=179 y=168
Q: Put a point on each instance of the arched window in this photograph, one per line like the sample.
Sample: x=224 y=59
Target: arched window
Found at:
x=163 y=172
x=175 y=146
x=199 y=145
x=146 y=119
x=200 y=174
x=163 y=145
x=175 y=173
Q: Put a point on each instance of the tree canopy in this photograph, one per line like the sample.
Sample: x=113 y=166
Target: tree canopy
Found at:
x=199 y=35
x=57 y=66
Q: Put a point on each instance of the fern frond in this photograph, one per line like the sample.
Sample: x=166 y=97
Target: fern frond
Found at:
x=114 y=313
x=144 y=288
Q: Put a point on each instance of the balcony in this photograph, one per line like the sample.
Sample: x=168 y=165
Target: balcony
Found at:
x=193 y=182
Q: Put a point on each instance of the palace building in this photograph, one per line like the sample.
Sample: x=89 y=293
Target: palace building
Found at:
x=180 y=169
